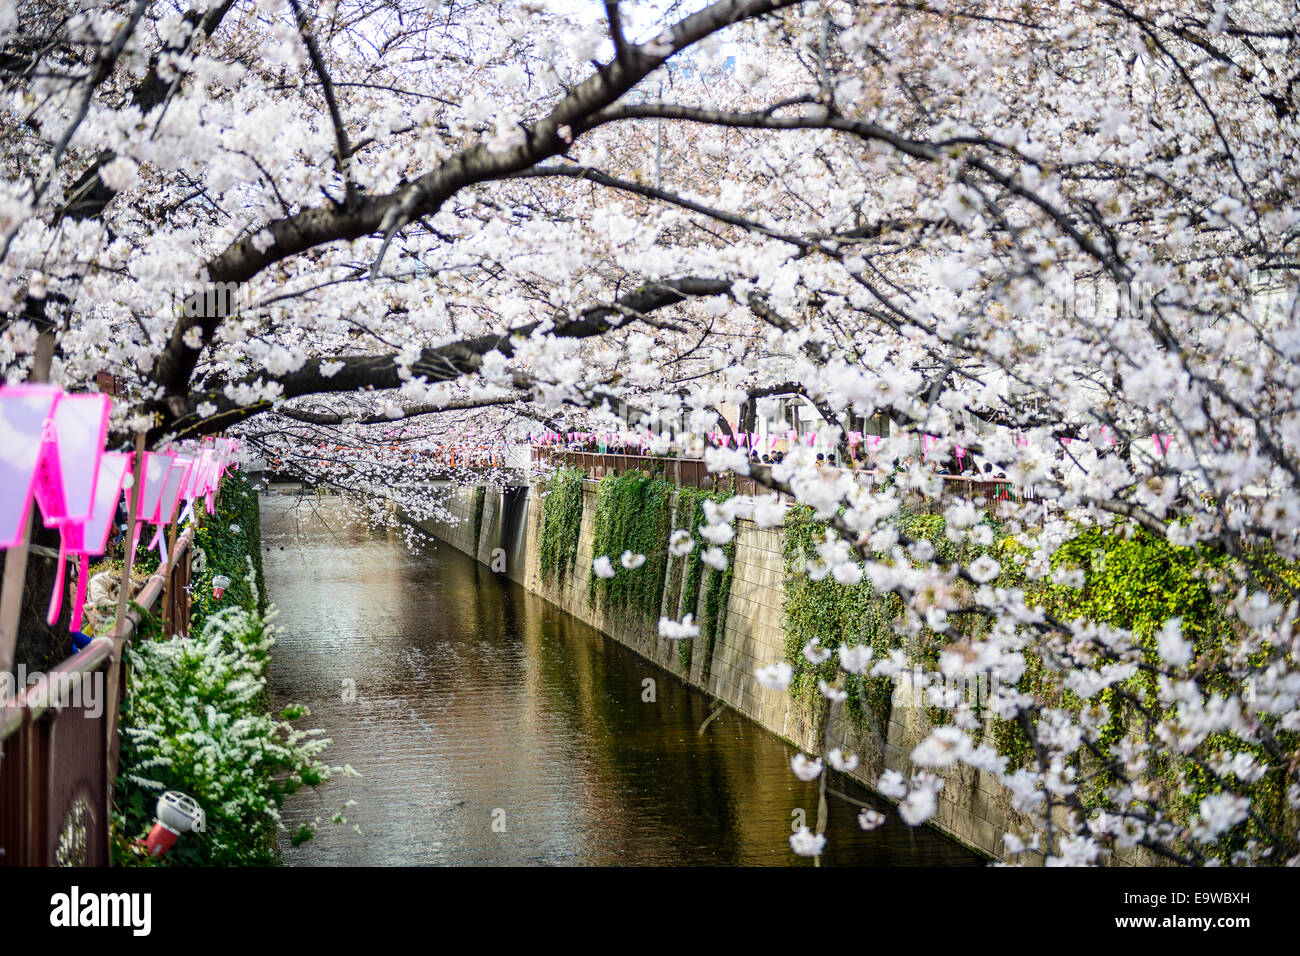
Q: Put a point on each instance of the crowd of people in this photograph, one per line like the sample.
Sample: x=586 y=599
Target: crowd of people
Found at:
x=966 y=466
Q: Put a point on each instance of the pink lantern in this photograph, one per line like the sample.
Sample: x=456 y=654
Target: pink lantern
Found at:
x=176 y=482
x=70 y=456
x=173 y=485
x=113 y=468
x=24 y=409
x=156 y=467
x=72 y=449
x=52 y=444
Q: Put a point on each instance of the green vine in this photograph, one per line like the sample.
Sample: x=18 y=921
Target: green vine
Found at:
x=223 y=544
x=633 y=513
x=837 y=614
x=1139 y=582
x=561 y=523
x=689 y=516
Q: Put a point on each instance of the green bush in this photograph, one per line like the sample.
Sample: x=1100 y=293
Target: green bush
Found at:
x=838 y=614
x=194 y=720
x=195 y=717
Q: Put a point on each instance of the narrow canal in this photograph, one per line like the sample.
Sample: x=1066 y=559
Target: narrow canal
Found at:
x=492 y=728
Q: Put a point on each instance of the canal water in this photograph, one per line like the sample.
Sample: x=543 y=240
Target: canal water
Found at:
x=489 y=727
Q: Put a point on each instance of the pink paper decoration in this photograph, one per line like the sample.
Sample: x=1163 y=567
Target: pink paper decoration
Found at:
x=74 y=446
x=194 y=486
x=176 y=481
x=149 y=492
x=1162 y=442
x=173 y=485
x=71 y=449
x=24 y=410
x=113 y=468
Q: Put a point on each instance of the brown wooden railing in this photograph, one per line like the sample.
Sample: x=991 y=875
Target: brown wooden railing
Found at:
x=59 y=742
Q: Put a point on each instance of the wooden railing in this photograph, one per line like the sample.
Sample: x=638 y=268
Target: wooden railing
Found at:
x=59 y=741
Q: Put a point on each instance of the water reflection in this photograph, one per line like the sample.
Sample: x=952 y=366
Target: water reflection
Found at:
x=477 y=701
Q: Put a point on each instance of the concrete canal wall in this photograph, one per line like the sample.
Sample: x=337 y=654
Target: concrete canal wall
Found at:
x=506 y=528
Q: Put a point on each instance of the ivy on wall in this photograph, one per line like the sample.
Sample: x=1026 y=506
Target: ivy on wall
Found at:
x=1137 y=581
x=690 y=515
x=634 y=513
x=638 y=512
x=561 y=523
x=697 y=579
x=836 y=614
x=224 y=543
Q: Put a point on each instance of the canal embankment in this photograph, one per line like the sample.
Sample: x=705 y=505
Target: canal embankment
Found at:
x=491 y=728
x=504 y=530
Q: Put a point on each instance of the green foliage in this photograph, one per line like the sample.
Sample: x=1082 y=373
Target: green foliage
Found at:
x=690 y=515
x=561 y=523
x=223 y=544
x=1138 y=582
x=837 y=614
x=195 y=716
x=633 y=513
x=697 y=577
x=717 y=593
x=194 y=720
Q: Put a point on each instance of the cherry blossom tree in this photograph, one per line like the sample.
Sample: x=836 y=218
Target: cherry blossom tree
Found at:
x=1041 y=231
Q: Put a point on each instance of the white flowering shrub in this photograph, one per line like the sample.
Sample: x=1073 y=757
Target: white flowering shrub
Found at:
x=195 y=720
